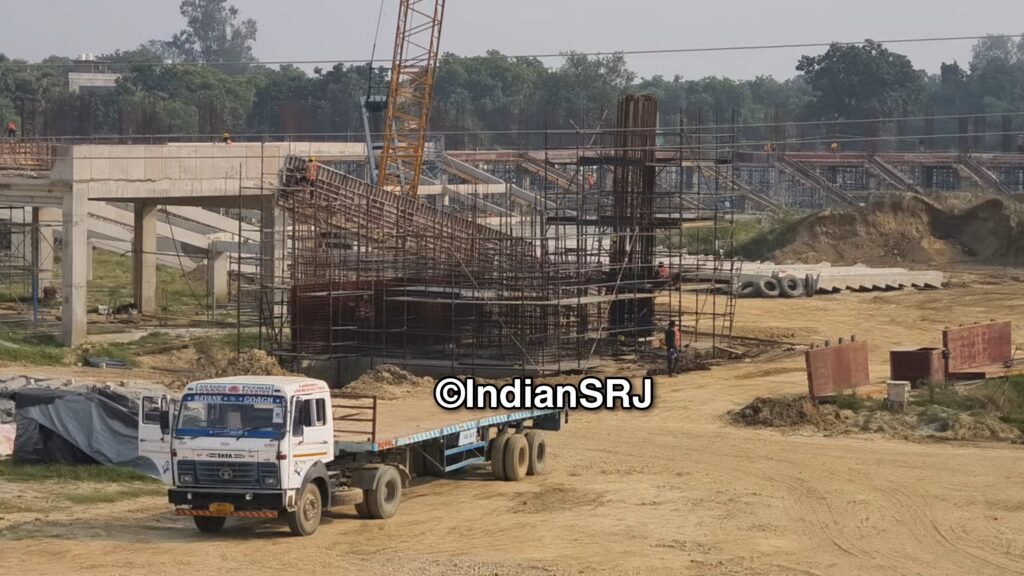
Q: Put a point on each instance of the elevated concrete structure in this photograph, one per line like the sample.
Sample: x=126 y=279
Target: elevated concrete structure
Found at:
x=82 y=179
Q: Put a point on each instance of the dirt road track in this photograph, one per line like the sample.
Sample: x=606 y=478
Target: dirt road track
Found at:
x=674 y=490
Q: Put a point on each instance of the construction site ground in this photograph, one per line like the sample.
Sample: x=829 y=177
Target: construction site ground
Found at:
x=677 y=489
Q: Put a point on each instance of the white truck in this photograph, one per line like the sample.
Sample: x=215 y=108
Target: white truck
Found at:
x=266 y=447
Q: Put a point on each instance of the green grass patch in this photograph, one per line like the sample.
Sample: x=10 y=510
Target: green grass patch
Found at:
x=17 y=472
x=752 y=238
x=30 y=347
x=856 y=403
x=112 y=286
x=127 y=352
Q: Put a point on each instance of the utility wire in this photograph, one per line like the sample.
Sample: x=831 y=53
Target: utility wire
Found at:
x=564 y=54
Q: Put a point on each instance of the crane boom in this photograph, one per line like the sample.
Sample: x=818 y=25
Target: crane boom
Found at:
x=417 y=44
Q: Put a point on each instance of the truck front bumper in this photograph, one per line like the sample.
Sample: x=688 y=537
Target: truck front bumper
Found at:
x=199 y=500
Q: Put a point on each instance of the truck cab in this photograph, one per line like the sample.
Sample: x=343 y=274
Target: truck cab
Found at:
x=253 y=447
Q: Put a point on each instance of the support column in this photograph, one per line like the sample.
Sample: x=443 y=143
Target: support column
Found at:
x=76 y=235
x=43 y=222
x=218 y=264
x=144 y=258
x=272 y=257
x=91 y=252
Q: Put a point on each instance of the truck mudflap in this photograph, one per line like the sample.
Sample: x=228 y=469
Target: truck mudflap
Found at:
x=226 y=514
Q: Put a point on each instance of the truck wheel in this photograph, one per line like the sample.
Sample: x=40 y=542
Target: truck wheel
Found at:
x=361 y=508
x=209 y=524
x=382 y=503
x=538 y=452
x=498 y=455
x=304 y=520
x=517 y=457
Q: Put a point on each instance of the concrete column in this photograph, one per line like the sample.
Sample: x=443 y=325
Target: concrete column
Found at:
x=144 y=258
x=44 y=220
x=91 y=254
x=272 y=243
x=76 y=235
x=21 y=236
x=218 y=264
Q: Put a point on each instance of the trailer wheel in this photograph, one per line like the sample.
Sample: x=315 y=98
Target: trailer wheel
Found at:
x=382 y=502
x=361 y=508
x=305 y=519
x=768 y=287
x=209 y=524
x=747 y=289
x=791 y=286
x=517 y=457
x=538 y=452
x=498 y=455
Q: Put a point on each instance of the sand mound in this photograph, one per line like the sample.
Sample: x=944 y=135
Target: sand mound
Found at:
x=917 y=423
x=907 y=229
x=388 y=382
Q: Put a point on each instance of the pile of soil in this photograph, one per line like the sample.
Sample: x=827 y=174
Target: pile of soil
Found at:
x=917 y=423
x=907 y=229
x=251 y=363
x=388 y=382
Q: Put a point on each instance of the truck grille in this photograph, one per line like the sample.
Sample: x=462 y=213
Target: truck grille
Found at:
x=240 y=474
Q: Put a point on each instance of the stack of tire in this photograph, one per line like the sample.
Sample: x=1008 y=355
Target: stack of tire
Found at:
x=788 y=286
x=516 y=455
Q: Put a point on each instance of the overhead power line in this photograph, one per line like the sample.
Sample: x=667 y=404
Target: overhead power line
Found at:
x=563 y=54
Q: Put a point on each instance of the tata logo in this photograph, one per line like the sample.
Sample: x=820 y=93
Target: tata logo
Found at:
x=226 y=474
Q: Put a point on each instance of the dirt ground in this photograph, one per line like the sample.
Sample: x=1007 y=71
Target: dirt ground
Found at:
x=675 y=490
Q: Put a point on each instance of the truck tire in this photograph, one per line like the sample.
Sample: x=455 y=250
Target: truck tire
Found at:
x=791 y=287
x=768 y=287
x=382 y=502
x=304 y=520
x=209 y=524
x=747 y=289
x=361 y=508
x=517 y=457
x=538 y=452
x=498 y=455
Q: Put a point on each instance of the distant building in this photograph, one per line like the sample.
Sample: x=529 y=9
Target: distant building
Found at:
x=90 y=73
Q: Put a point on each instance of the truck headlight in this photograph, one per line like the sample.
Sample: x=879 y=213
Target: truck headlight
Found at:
x=270 y=481
x=186 y=478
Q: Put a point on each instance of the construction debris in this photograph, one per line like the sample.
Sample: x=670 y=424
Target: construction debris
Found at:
x=387 y=382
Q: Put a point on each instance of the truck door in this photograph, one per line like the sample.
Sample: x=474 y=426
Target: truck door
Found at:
x=156 y=415
x=312 y=436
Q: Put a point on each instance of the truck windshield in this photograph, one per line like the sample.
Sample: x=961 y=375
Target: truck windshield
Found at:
x=231 y=415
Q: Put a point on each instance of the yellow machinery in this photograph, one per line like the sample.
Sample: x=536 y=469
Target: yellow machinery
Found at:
x=417 y=43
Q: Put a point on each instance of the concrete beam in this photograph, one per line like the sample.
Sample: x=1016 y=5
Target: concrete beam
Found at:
x=144 y=258
x=76 y=234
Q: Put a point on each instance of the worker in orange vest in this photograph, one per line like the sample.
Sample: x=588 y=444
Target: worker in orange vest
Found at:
x=314 y=170
x=12 y=129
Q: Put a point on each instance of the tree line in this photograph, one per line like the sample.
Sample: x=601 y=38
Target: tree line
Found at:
x=211 y=83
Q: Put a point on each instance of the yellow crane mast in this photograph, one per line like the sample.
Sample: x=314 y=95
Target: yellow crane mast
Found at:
x=417 y=43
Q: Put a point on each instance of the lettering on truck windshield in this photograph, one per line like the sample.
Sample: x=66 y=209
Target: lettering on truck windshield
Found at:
x=233 y=415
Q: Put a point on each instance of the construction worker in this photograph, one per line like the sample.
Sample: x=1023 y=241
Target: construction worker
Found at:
x=226 y=138
x=313 y=170
x=12 y=129
x=673 y=339
x=662 y=271
x=834 y=147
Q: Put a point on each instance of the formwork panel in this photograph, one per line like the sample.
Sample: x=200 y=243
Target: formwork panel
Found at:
x=917 y=366
x=979 y=345
x=835 y=369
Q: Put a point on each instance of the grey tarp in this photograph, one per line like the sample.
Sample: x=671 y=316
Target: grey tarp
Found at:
x=77 y=427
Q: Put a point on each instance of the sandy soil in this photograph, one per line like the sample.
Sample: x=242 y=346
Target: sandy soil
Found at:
x=676 y=490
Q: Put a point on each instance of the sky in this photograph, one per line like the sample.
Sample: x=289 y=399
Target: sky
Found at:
x=345 y=29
